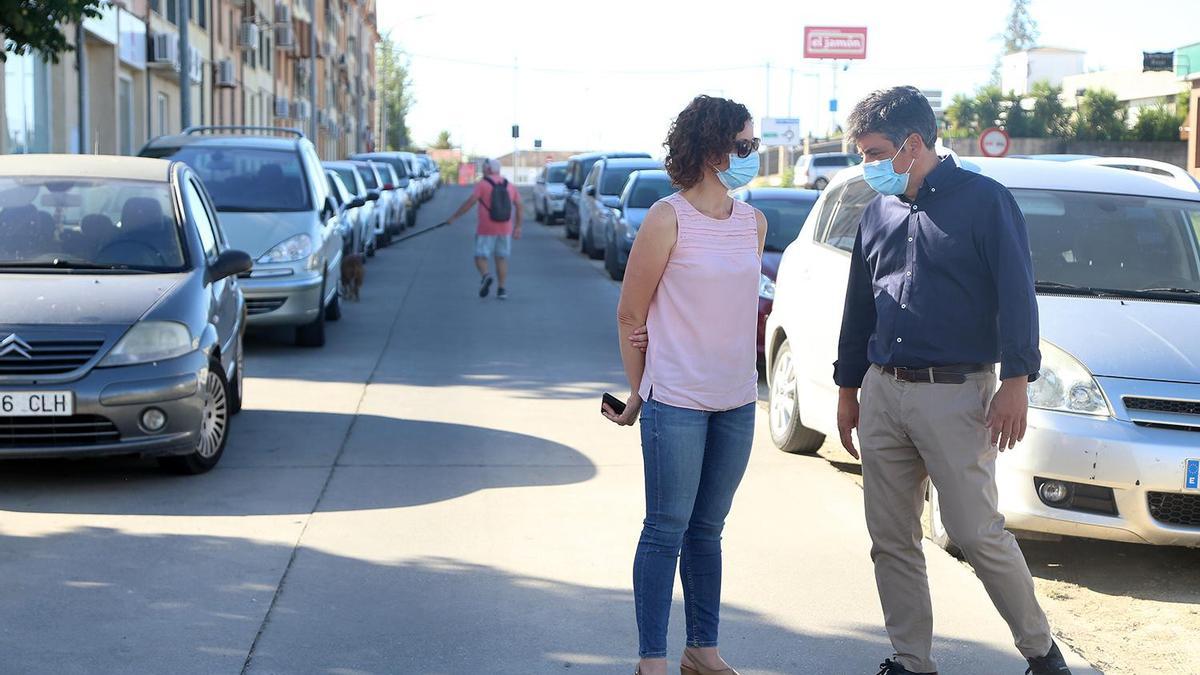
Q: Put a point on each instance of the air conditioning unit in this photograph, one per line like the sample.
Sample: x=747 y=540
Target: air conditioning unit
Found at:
x=303 y=73
x=226 y=75
x=281 y=107
x=195 y=65
x=285 y=35
x=164 y=50
x=248 y=35
x=302 y=109
x=283 y=12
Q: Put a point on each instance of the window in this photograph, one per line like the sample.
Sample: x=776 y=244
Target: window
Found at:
x=172 y=12
x=646 y=191
x=202 y=219
x=125 y=112
x=246 y=178
x=162 y=113
x=843 y=226
x=556 y=174
x=614 y=180
x=201 y=13
x=593 y=176
x=26 y=103
x=785 y=218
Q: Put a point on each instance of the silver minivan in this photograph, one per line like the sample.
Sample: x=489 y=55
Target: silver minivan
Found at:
x=273 y=199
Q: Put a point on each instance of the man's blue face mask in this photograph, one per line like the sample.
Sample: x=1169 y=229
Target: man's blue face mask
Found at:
x=882 y=177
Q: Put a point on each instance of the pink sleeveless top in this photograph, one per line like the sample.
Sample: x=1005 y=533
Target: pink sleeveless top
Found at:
x=703 y=316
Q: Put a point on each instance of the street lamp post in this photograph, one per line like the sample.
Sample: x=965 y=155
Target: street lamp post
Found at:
x=185 y=65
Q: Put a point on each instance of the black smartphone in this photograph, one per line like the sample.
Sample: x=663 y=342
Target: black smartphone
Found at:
x=613 y=402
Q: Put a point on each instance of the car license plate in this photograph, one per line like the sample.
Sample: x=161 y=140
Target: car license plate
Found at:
x=36 y=403
x=1191 y=475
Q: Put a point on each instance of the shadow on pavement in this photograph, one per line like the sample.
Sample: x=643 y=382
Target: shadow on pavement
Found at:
x=257 y=476
x=1163 y=573
x=76 y=602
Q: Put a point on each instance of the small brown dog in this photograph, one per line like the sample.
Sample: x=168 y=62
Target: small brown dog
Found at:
x=353 y=273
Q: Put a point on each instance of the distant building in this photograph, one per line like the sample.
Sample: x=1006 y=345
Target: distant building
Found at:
x=1020 y=70
x=531 y=162
x=1136 y=89
x=1187 y=68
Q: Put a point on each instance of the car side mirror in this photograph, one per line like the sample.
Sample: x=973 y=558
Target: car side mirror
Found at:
x=330 y=209
x=616 y=211
x=372 y=195
x=589 y=190
x=229 y=263
x=357 y=202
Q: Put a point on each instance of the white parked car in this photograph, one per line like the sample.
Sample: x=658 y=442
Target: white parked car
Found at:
x=815 y=171
x=1113 y=447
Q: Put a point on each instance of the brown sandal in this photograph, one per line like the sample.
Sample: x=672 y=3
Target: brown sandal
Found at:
x=695 y=668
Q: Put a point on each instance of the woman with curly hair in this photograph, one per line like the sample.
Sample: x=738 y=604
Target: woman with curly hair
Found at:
x=692 y=282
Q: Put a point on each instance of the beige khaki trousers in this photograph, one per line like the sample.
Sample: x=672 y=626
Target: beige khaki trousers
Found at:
x=912 y=431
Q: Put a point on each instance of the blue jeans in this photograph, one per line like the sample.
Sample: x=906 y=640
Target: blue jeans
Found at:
x=694 y=461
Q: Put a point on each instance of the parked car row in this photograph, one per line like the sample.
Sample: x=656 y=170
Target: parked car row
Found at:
x=128 y=283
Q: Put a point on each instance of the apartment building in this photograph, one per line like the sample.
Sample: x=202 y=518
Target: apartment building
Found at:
x=249 y=63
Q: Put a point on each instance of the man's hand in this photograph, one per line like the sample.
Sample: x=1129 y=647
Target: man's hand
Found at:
x=639 y=339
x=1008 y=413
x=517 y=231
x=847 y=418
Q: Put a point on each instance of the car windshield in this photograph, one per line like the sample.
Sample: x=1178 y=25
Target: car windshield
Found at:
x=347 y=176
x=613 y=180
x=1112 y=242
x=87 y=223
x=246 y=178
x=396 y=163
x=649 y=190
x=368 y=176
x=784 y=217
x=556 y=174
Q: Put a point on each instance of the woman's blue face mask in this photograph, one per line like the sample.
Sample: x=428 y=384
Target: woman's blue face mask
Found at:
x=882 y=177
x=741 y=171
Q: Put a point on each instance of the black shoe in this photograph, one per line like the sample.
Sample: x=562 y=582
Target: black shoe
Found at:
x=485 y=285
x=890 y=667
x=1052 y=663
x=501 y=294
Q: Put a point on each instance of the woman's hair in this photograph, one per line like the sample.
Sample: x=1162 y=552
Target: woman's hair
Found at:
x=703 y=131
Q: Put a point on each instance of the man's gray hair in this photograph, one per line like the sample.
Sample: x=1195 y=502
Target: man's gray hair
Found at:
x=491 y=166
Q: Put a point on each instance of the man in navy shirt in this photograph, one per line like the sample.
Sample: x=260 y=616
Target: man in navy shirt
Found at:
x=940 y=290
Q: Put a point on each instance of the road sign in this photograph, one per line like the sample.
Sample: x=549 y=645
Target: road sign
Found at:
x=835 y=42
x=537 y=142
x=833 y=105
x=994 y=142
x=1158 y=61
x=780 y=130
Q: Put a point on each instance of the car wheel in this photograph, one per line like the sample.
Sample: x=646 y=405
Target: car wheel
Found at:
x=214 y=428
x=935 y=530
x=820 y=183
x=594 y=252
x=371 y=247
x=538 y=214
x=313 y=334
x=570 y=228
x=333 y=312
x=787 y=432
x=237 y=387
x=610 y=264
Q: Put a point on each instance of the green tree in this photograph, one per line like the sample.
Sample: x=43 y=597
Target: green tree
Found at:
x=989 y=104
x=1051 y=119
x=1020 y=33
x=1100 y=116
x=960 y=117
x=443 y=141
x=28 y=25
x=395 y=93
x=1019 y=122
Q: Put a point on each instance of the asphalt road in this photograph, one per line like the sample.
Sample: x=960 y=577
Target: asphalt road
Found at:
x=435 y=492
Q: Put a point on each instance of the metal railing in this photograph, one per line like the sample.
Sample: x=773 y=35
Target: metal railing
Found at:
x=245 y=128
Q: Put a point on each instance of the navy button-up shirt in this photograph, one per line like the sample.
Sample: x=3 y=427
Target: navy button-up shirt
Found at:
x=945 y=279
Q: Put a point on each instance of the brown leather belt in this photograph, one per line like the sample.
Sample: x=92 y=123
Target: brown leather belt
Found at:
x=956 y=374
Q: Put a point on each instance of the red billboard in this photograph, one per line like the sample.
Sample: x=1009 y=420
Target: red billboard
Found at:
x=835 y=42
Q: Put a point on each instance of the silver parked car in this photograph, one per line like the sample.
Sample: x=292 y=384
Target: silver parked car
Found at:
x=349 y=209
x=121 y=319
x=1111 y=451
x=641 y=191
x=550 y=193
x=396 y=195
x=815 y=171
x=364 y=215
x=403 y=164
x=375 y=193
x=601 y=194
x=274 y=203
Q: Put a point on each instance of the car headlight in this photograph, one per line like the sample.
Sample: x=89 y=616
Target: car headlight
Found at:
x=1064 y=384
x=295 y=248
x=150 y=341
x=766 y=287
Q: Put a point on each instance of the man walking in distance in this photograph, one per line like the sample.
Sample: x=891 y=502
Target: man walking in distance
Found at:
x=500 y=215
x=940 y=290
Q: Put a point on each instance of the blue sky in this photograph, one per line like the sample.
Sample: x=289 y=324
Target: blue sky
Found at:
x=611 y=75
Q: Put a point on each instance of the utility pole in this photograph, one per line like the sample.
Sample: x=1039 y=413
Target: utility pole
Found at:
x=81 y=67
x=791 y=82
x=312 y=70
x=767 y=107
x=516 y=126
x=185 y=65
